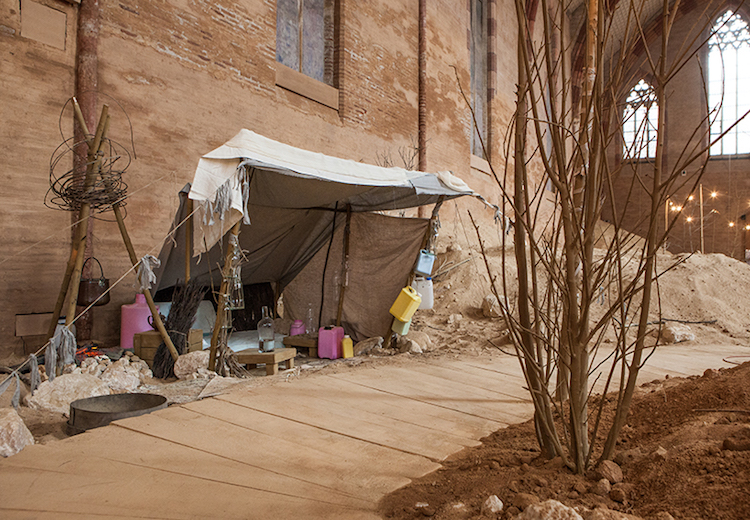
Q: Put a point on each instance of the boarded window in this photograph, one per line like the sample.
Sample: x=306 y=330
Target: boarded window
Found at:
x=479 y=10
x=304 y=37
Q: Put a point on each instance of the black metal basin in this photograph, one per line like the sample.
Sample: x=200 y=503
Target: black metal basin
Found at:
x=94 y=412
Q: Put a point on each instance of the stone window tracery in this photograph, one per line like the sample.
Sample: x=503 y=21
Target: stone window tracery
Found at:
x=640 y=122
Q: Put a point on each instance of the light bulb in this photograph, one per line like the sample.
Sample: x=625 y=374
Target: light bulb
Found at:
x=731 y=224
x=691 y=197
x=713 y=194
x=689 y=219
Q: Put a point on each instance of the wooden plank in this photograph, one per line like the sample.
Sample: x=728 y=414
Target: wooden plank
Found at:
x=437 y=391
x=375 y=468
x=294 y=402
x=476 y=378
x=357 y=397
x=183 y=426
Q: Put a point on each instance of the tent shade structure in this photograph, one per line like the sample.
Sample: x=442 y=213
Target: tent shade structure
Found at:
x=288 y=199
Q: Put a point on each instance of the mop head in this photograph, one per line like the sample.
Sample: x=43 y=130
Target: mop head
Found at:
x=185 y=301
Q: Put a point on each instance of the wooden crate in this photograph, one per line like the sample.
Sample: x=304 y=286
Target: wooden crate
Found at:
x=145 y=344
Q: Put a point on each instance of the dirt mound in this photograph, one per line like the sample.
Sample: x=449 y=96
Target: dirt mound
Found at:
x=678 y=459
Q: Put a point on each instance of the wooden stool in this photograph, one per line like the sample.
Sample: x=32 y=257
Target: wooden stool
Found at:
x=308 y=341
x=253 y=357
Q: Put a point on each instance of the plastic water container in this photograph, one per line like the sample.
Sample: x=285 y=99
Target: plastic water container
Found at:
x=134 y=319
x=297 y=328
x=347 y=347
x=424 y=263
x=423 y=286
x=329 y=342
x=406 y=304
x=400 y=327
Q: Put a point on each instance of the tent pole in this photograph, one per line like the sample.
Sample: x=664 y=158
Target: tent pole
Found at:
x=188 y=238
x=345 y=277
x=225 y=272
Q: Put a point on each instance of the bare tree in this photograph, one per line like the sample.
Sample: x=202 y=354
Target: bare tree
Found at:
x=571 y=294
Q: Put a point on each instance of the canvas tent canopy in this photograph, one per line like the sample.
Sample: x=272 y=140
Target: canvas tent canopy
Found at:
x=288 y=199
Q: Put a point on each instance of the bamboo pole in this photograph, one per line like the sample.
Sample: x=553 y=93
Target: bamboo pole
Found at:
x=188 y=238
x=345 y=274
x=116 y=208
x=92 y=169
x=80 y=232
x=225 y=272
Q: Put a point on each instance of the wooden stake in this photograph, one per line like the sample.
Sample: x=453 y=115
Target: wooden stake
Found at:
x=188 y=238
x=345 y=273
x=221 y=310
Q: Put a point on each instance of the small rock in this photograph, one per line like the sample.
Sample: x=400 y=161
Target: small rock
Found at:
x=711 y=373
x=492 y=506
x=714 y=450
x=420 y=338
x=454 y=248
x=491 y=307
x=513 y=486
x=547 y=510
x=188 y=365
x=57 y=395
x=659 y=454
x=539 y=482
x=494 y=465
x=663 y=515
x=602 y=487
x=524 y=500
x=405 y=344
x=512 y=512
x=677 y=333
x=365 y=346
x=121 y=376
x=455 y=319
x=618 y=495
x=609 y=470
x=580 y=487
x=14 y=435
x=628 y=456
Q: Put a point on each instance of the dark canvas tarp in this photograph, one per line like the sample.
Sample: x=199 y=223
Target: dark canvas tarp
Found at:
x=287 y=198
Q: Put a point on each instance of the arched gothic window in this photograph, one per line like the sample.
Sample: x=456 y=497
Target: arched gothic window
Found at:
x=640 y=121
x=729 y=83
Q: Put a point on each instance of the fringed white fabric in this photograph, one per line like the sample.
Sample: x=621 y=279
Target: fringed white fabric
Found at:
x=61 y=350
x=146 y=275
x=17 y=394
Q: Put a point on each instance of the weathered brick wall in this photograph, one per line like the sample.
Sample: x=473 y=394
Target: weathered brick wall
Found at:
x=728 y=176
x=190 y=75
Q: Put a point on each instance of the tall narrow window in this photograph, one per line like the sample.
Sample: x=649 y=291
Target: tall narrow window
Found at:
x=479 y=11
x=304 y=37
x=640 y=122
x=729 y=83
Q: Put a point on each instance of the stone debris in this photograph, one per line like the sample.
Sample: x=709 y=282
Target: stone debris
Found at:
x=492 y=506
x=420 y=338
x=602 y=487
x=57 y=395
x=609 y=470
x=676 y=333
x=14 y=435
x=628 y=456
x=491 y=307
x=124 y=375
x=367 y=345
x=455 y=319
x=193 y=365
x=405 y=344
x=547 y=510
x=659 y=454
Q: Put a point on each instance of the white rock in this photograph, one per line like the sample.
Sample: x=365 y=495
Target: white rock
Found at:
x=189 y=364
x=421 y=338
x=14 y=435
x=492 y=506
x=677 y=333
x=491 y=307
x=57 y=395
x=121 y=376
x=547 y=510
x=367 y=345
x=455 y=319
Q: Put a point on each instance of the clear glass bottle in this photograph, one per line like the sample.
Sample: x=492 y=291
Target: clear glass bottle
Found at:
x=265 y=331
x=309 y=319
